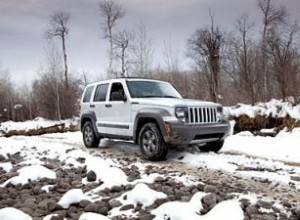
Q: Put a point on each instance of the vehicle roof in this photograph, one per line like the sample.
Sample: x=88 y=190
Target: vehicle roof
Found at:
x=124 y=79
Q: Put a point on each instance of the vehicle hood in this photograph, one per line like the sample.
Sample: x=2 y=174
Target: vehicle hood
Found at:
x=172 y=102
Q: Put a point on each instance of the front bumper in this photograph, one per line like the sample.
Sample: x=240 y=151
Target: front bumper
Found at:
x=192 y=134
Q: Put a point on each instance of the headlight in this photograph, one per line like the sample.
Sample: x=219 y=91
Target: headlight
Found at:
x=220 y=115
x=182 y=113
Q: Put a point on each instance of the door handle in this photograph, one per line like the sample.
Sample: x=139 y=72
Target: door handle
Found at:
x=108 y=105
x=92 y=106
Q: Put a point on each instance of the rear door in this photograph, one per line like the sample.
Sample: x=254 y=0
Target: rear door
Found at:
x=98 y=104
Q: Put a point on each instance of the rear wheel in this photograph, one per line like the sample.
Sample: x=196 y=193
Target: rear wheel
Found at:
x=151 y=142
x=89 y=136
x=215 y=146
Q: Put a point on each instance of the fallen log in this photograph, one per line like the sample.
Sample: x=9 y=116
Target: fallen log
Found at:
x=57 y=128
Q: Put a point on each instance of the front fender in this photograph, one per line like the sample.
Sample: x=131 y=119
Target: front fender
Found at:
x=156 y=114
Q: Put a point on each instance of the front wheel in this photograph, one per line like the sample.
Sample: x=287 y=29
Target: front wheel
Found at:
x=89 y=136
x=151 y=142
x=215 y=146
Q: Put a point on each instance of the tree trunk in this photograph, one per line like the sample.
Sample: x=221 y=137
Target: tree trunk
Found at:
x=65 y=61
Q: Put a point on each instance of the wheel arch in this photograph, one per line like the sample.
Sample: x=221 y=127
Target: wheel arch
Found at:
x=89 y=116
x=147 y=116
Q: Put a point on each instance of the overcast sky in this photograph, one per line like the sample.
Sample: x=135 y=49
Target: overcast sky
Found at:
x=23 y=22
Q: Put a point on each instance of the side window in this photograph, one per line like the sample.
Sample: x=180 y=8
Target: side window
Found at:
x=100 y=93
x=117 y=92
x=87 y=94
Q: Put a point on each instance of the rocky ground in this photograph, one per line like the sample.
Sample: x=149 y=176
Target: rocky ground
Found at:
x=177 y=180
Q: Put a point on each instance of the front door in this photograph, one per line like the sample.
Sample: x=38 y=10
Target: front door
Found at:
x=118 y=118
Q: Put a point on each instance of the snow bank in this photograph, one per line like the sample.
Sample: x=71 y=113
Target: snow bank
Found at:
x=92 y=216
x=73 y=196
x=35 y=172
x=275 y=108
x=12 y=213
x=6 y=166
x=285 y=146
x=34 y=124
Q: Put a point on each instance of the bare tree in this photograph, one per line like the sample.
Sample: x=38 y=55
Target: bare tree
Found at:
x=204 y=48
x=141 y=52
x=272 y=17
x=111 y=12
x=171 y=57
x=284 y=59
x=59 y=29
x=246 y=59
x=121 y=43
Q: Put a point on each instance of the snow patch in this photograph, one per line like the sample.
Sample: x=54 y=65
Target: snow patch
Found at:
x=73 y=196
x=92 y=216
x=34 y=172
x=180 y=210
x=6 y=166
x=12 y=213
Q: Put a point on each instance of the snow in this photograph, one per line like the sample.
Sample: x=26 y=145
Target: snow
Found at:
x=47 y=188
x=6 y=166
x=140 y=194
x=12 y=213
x=34 y=124
x=191 y=210
x=92 y=216
x=73 y=196
x=180 y=210
x=275 y=108
x=34 y=172
x=230 y=208
x=48 y=217
x=146 y=198
x=284 y=147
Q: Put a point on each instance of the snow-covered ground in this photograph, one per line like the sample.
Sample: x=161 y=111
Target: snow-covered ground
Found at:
x=28 y=159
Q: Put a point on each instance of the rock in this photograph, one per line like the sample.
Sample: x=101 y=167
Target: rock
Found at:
x=116 y=189
x=167 y=190
x=251 y=210
x=91 y=176
x=44 y=204
x=296 y=212
x=209 y=201
x=76 y=184
x=100 y=208
x=84 y=203
x=159 y=179
x=244 y=203
x=210 y=189
x=126 y=207
x=264 y=204
x=114 y=203
x=57 y=217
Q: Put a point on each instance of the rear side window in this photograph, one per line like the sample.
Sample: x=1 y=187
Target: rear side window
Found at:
x=87 y=94
x=100 y=93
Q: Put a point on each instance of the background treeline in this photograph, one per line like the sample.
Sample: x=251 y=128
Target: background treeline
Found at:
x=252 y=62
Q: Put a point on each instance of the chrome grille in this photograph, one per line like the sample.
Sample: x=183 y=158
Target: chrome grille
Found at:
x=203 y=115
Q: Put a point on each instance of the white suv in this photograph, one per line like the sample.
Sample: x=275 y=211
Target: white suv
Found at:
x=151 y=113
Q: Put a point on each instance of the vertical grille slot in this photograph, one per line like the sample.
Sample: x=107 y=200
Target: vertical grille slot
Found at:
x=202 y=115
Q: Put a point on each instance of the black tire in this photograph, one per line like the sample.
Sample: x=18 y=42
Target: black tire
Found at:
x=151 y=143
x=215 y=146
x=90 y=139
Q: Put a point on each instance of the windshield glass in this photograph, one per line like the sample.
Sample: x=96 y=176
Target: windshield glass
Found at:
x=152 y=89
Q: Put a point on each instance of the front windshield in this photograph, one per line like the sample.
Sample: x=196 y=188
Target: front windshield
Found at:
x=152 y=89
